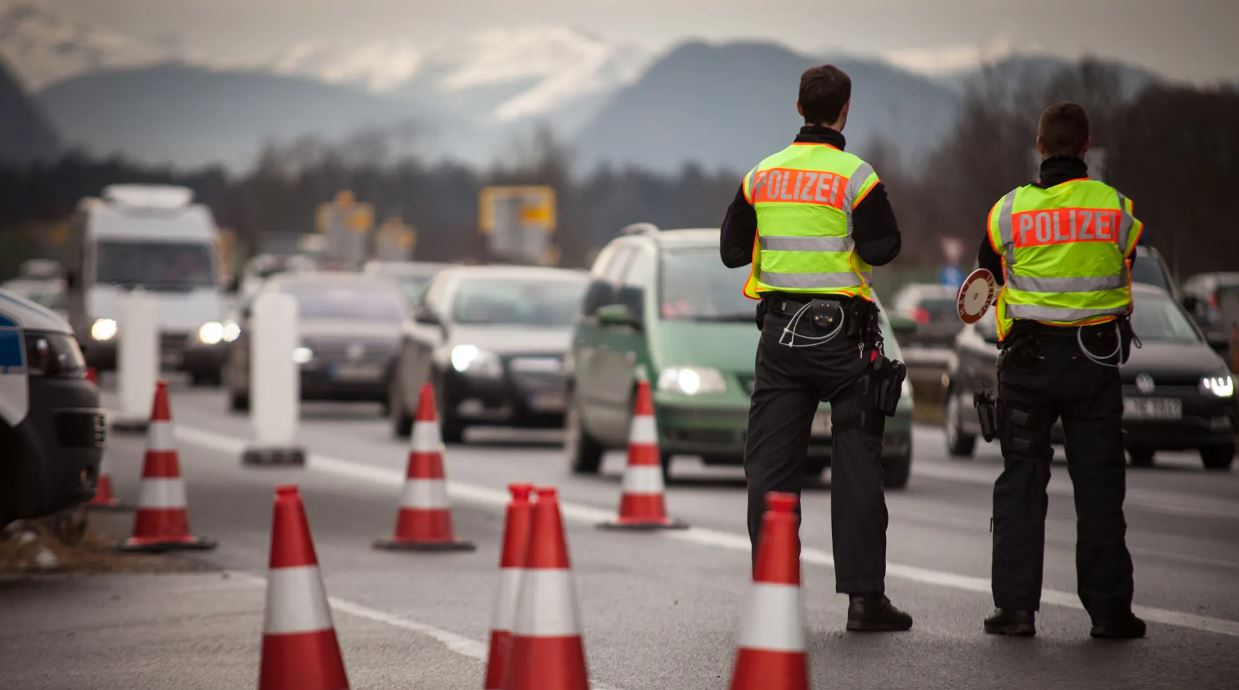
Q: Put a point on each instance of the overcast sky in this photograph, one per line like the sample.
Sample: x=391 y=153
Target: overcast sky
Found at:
x=1188 y=39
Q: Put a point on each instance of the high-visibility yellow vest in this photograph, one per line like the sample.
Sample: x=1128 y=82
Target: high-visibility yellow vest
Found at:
x=1064 y=253
x=804 y=196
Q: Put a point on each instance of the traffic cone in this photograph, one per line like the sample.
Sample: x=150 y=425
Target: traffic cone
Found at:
x=641 y=500
x=162 y=520
x=547 y=650
x=104 y=500
x=424 y=522
x=511 y=562
x=770 y=654
x=299 y=646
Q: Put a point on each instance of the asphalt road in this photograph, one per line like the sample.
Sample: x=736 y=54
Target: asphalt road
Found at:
x=660 y=610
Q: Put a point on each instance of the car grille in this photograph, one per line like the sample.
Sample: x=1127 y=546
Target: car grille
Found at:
x=352 y=351
x=172 y=342
x=538 y=373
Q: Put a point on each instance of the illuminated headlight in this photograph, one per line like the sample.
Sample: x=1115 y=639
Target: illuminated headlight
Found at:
x=303 y=355
x=1222 y=386
x=211 y=333
x=691 y=380
x=232 y=331
x=103 y=329
x=473 y=360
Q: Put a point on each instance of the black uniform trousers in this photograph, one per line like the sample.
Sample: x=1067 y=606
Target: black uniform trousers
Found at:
x=790 y=382
x=1040 y=380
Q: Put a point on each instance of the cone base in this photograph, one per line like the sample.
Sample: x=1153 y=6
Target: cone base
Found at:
x=136 y=545
x=640 y=525
x=393 y=544
x=269 y=456
x=129 y=425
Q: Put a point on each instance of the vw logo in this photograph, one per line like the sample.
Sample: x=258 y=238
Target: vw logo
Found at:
x=1144 y=384
x=355 y=350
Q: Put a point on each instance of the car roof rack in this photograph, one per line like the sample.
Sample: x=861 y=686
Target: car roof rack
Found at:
x=640 y=229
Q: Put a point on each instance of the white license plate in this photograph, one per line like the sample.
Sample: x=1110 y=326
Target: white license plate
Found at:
x=1152 y=408
x=548 y=402
x=357 y=372
x=821 y=425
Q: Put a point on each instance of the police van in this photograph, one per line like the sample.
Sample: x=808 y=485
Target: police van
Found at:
x=52 y=428
x=151 y=238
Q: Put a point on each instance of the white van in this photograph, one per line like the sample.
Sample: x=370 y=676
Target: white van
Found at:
x=152 y=238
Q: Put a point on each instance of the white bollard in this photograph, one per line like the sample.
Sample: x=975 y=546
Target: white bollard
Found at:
x=137 y=360
x=275 y=382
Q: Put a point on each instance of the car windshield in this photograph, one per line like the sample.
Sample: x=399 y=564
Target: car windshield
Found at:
x=518 y=301
x=357 y=302
x=168 y=265
x=1147 y=269
x=697 y=287
x=1157 y=318
x=412 y=286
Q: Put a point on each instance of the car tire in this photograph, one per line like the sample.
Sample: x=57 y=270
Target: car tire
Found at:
x=238 y=401
x=584 y=451
x=815 y=466
x=959 y=444
x=451 y=429
x=401 y=420
x=1141 y=457
x=1218 y=457
x=896 y=470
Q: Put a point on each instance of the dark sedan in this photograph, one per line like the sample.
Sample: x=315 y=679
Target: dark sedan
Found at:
x=349 y=326
x=1177 y=392
x=492 y=340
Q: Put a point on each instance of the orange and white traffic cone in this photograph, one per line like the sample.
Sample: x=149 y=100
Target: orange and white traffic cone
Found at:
x=104 y=499
x=511 y=565
x=547 y=650
x=641 y=501
x=162 y=520
x=299 y=646
x=771 y=654
x=424 y=522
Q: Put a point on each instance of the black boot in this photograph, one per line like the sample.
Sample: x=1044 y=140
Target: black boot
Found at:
x=875 y=613
x=1126 y=627
x=1011 y=622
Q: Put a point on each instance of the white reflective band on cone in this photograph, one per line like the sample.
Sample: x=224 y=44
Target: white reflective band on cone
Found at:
x=643 y=430
x=643 y=479
x=548 y=607
x=503 y=616
x=773 y=619
x=296 y=601
x=424 y=494
x=426 y=437
x=161 y=492
x=160 y=436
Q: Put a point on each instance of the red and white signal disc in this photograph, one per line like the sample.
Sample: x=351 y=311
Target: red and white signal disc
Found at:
x=976 y=294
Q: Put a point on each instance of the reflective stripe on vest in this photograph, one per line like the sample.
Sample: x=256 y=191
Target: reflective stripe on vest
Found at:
x=1064 y=252
x=803 y=197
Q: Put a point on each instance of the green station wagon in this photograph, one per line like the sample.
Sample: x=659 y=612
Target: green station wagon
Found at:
x=661 y=306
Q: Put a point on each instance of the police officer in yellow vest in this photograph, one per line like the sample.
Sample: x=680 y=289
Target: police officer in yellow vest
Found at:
x=1063 y=248
x=812 y=219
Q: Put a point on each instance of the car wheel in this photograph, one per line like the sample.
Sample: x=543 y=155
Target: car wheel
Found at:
x=1141 y=457
x=896 y=469
x=238 y=401
x=401 y=420
x=1218 y=457
x=584 y=451
x=815 y=466
x=959 y=444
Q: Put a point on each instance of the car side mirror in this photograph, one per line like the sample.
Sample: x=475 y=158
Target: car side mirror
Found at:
x=617 y=315
x=71 y=280
x=1190 y=303
x=1218 y=341
x=902 y=326
x=233 y=285
x=425 y=315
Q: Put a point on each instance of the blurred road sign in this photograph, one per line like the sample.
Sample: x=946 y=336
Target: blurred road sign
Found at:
x=394 y=241
x=518 y=222
x=346 y=223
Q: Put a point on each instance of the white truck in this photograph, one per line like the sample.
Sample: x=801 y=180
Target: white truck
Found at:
x=152 y=238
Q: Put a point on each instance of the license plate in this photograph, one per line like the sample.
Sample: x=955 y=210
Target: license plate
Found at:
x=548 y=402
x=357 y=372
x=1152 y=408
x=821 y=425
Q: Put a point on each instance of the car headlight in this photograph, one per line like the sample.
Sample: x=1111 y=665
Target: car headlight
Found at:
x=692 y=380
x=1222 y=386
x=232 y=331
x=103 y=329
x=303 y=355
x=473 y=360
x=211 y=333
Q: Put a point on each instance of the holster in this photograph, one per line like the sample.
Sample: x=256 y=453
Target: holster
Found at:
x=887 y=376
x=1127 y=335
x=986 y=404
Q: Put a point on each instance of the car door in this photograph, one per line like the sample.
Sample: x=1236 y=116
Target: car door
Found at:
x=591 y=344
x=624 y=345
x=421 y=336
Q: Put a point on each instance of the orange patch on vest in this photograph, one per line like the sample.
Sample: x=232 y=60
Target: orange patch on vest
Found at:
x=789 y=185
x=1065 y=226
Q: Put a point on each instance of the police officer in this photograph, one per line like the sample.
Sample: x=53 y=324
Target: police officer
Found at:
x=812 y=219
x=1064 y=245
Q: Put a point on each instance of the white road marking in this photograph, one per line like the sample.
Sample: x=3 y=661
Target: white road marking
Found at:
x=477 y=494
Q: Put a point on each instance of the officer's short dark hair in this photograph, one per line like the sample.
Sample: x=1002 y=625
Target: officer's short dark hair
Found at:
x=1063 y=129
x=823 y=92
